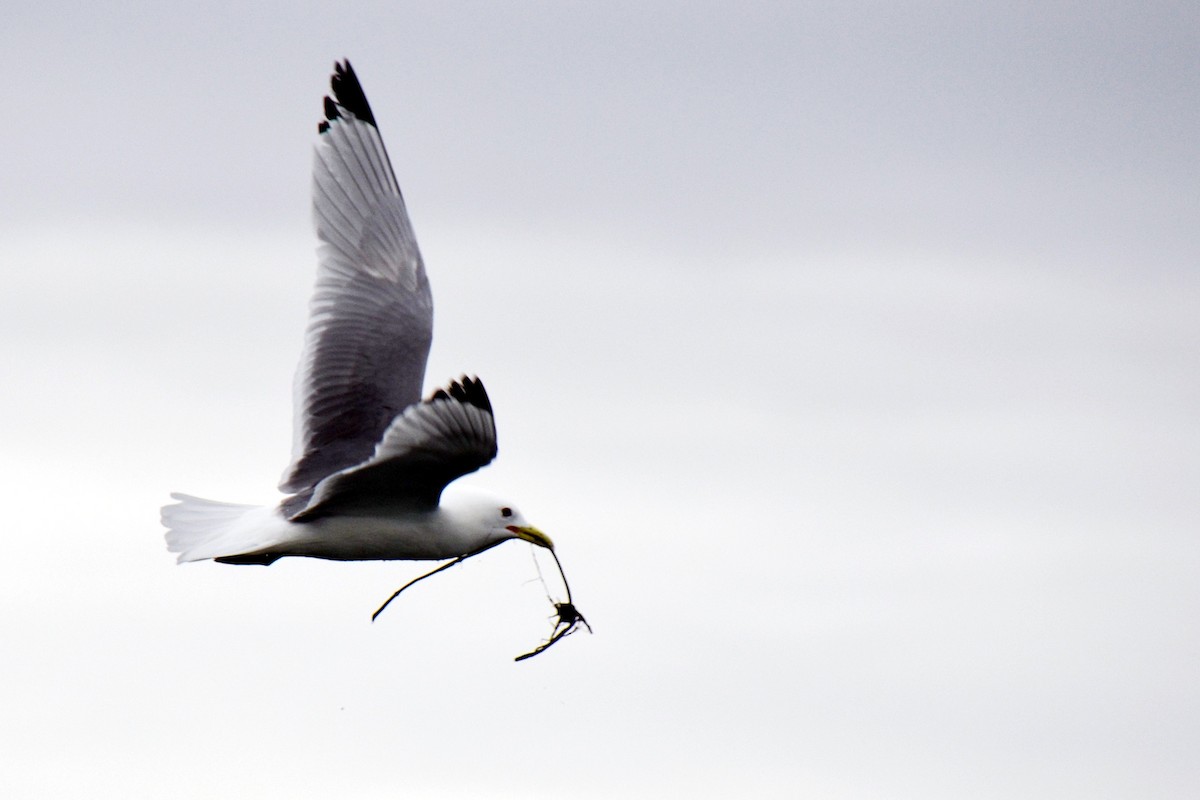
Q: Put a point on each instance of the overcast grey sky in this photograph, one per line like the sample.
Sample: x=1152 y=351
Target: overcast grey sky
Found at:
x=848 y=351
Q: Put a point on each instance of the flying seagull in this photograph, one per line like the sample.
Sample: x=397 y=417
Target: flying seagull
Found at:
x=371 y=460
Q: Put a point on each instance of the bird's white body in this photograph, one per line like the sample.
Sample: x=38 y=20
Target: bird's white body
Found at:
x=429 y=536
x=466 y=521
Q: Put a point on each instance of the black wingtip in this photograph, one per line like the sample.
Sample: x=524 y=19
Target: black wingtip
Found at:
x=466 y=390
x=348 y=97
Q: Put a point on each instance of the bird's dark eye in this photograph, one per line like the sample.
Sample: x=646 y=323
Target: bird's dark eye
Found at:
x=506 y=512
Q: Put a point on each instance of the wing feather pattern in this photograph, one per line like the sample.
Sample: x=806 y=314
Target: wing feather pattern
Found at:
x=371 y=314
x=423 y=449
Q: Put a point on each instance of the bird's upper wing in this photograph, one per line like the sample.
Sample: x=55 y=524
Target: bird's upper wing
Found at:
x=371 y=315
x=429 y=445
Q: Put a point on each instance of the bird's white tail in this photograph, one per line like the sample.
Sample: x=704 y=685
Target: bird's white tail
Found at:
x=198 y=529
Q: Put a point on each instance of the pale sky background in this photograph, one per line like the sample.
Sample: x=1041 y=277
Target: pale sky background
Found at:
x=848 y=352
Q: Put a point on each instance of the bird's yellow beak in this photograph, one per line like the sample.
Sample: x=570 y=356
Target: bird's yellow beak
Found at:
x=532 y=535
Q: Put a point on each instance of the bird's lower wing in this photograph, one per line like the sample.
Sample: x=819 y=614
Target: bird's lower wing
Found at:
x=431 y=444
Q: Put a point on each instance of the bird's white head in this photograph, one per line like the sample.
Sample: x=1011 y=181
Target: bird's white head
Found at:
x=492 y=516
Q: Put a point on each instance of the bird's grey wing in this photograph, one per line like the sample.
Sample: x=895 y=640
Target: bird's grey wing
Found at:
x=371 y=315
x=423 y=449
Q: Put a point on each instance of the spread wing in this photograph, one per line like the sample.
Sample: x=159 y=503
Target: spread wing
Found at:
x=371 y=315
x=428 y=446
